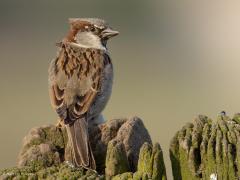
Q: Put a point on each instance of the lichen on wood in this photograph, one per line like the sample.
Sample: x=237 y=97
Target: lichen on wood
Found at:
x=116 y=145
x=43 y=146
x=205 y=148
x=150 y=164
x=116 y=159
x=61 y=171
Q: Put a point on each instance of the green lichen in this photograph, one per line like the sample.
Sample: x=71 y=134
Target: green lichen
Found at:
x=124 y=176
x=43 y=147
x=205 y=148
x=49 y=134
x=174 y=156
x=145 y=159
x=62 y=171
x=43 y=156
x=57 y=136
x=158 y=167
x=116 y=159
x=150 y=163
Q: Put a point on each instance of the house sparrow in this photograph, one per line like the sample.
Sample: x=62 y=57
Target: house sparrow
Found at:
x=80 y=82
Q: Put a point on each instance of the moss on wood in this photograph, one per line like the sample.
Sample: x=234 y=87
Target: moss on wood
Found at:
x=207 y=148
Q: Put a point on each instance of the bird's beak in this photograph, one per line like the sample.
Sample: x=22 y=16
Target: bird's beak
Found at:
x=109 y=33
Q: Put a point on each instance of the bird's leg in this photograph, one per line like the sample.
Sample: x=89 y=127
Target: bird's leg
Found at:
x=60 y=123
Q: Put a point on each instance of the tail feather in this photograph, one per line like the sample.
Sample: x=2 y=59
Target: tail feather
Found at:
x=80 y=145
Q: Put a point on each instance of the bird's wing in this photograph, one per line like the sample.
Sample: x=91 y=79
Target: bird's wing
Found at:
x=56 y=93
x=90 y=65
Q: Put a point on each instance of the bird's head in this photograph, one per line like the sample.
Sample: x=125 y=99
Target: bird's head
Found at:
x=90 y=32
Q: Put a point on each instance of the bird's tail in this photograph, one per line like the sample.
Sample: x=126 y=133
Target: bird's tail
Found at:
x=80 y=145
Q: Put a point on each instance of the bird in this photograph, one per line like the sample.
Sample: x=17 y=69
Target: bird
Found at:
x=80 y=82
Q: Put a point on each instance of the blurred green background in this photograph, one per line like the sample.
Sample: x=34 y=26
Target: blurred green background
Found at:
x=173 y=60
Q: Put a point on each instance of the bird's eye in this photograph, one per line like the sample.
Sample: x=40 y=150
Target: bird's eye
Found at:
x=92 y=29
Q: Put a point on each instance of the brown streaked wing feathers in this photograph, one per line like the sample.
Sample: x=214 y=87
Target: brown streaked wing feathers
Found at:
x=56 y=93
x=83 y=102
x=56 y=96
